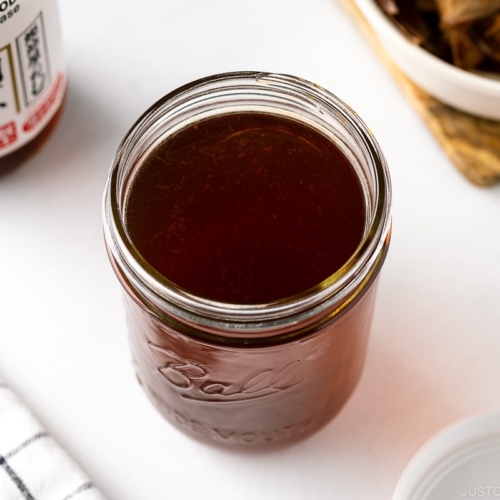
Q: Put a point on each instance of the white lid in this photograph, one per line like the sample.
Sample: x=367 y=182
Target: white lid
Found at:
x=460 y=463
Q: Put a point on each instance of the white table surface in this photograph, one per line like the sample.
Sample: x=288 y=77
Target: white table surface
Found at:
x=434 y=354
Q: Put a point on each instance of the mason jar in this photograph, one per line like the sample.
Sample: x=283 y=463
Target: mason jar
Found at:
x=250 y=374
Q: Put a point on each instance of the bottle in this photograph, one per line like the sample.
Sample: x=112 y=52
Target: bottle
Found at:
x=32 y=77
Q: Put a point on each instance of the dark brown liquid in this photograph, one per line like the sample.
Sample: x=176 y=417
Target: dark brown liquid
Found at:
x=246 y=208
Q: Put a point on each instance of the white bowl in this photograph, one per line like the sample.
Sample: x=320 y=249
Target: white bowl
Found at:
x=470 y=92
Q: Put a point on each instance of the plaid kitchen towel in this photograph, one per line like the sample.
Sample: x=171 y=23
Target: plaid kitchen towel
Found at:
x=32 y=465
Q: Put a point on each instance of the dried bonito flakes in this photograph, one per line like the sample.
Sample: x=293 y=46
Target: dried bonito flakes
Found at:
x=456 y=12
x=465 y=33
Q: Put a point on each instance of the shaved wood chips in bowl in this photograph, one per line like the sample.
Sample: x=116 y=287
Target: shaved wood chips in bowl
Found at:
x=449 y=48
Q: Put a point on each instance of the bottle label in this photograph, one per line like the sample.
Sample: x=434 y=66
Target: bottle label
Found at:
x=32 y=73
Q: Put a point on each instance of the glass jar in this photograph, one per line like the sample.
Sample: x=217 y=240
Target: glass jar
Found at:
x=250 y=375
x=32 y=77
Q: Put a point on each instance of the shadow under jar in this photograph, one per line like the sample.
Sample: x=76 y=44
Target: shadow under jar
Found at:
x=247 y=216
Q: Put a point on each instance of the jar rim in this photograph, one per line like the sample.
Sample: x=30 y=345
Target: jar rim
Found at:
x=157 y=288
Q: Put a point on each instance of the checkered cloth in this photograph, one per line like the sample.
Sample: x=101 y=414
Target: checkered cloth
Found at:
x=32 y=465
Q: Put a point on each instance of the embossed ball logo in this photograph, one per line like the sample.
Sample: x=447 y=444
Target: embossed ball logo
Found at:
x=194 y=382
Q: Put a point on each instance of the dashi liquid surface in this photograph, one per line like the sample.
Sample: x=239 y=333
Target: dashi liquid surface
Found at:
x=246 y=208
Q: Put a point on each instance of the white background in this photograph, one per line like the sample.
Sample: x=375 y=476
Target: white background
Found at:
x=434 y=354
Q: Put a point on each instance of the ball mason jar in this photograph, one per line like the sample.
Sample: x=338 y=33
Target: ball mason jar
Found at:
x=250 y=375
